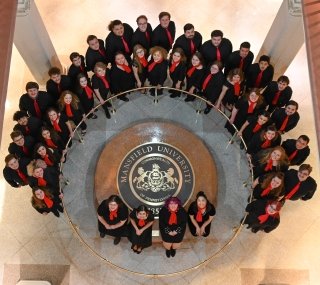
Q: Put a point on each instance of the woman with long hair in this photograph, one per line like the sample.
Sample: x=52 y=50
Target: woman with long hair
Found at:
x=139 y=65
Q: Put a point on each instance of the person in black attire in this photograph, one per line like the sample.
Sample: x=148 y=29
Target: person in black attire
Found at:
x=15 y=171
x=190 y=41
x=263 y=215
x=113 y=218
x=35 y=102
x=52 y=140
x=164 y=34
x=201 y=213
x=285 y=119
x=140 y=66
x=95 y=52
x=119 y=39
x=57 y=83
x=299 y=184
x=121 y=76
x=260 y=74
x=172 y=225
x=241 y=58
x=212 y=84
x=78 y=66
x=140 y=228
x=195 y=76
x=50 y=156
x=217 y=48
x=177 y=70
x=297 y=150
x=143 y=34
x=21 y=146
x=278 y=93
x=28 y=126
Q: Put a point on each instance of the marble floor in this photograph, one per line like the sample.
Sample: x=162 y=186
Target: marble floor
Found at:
x=288 y=255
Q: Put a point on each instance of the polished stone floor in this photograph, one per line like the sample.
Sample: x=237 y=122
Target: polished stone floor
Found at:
x=288 y=255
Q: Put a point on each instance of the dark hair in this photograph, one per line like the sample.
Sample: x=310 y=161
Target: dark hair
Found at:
x=54 y=70
x=181 y=52
x=48 y=151
x=188 y=27
x=114 y=198
x=90 y=38
x=307 y=167
x=235 y=71
x=267 y=180
x=15 y=134
x=218 y=63
x=114 y=23
x=162 y=14
x=31 y=85
x=37 y=203
x=245 y=45
x=73 y=55
x=293 y=103
x=80 y=75
x=201 y=194
x=265 y=58
x=284 y=78
x=19 y=114
x=270 y=128
x=199 y=55
x=143 y=208
x=9 y=157
x=265 y=113
x=142 y=17
x=174 y=200
x=305 y=138
x=217 y=33
x=53 y=134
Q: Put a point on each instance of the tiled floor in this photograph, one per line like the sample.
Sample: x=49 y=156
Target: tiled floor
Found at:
x=28 y=238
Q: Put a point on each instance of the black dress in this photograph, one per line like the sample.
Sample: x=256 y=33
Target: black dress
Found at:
x=121 y=80
x=143 y=74
x=165 y=228
x=122 y=215
x=145 y=239
x=193 y=210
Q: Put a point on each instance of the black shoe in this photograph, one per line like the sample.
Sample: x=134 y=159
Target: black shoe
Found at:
x=56 y=213
x=124 y=98
x=60 y=209
x=189 y=99
x=108 y=104
x=207 y=110
x=168 y=253
x=254 y=230
x=172 y=252
x=160 y=92
x=152 y=92
x=116 y=240
x=174 y=95
x=107 y=114
x=102 y=235
x=93 y=116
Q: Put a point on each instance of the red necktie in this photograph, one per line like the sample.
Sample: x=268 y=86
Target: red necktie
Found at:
x=69 y=111
x=56 y=125
x=22 y=176
x=251 y=107
x=293 y=191
x=37 y=108
x=47 y=201
x=173 y=66
x=47 y=160
x=266 y=191
x=292 y=155
x=25 y=150
x=59 y=87
x=206 y=81
x=27 y=130
x=236 y=88
x=88 y=91
x=218 y=54
x=284 y=124
x=105 y=82
x=269 y=165
x=125 y=44
x=42 y=182
x=147 y=37
x=276 y=98
x=173 y=218
x=256 y=128
x=241 y=63
x=102 y=52
x=143 y=61
x=258 y=80
x=50 y=143
x=125 y=67
x=169 y=37
x=141 y=223
x=81 y=67
x=192 y=47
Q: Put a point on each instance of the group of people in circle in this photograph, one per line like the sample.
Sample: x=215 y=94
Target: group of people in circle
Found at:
x=115 y=220
x=261 y=109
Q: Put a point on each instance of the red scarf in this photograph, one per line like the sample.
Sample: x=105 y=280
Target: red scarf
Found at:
x=125 y=67
x=251 y=107
x=192 y=47
x=153 y=64
x=218 y=54
x=169 y=37
x=292 y=155
x=125 y=44
x=199 y=215
x=37 y=108
x=173 y=218
x=266 y=191
x=276 y=98
x=192 y=69
x=56 y=126
x=113 y=214
x=69 y=111
x=263 y=218
x=141 y=223
x=22 y=176
x=258 y=80
x=105 y=82
x=266 y=144
x=173 y=66
x=293 y=191
x=206 y=81
x=256 y=128
x=284 y=124
x=50 y=143
x=143 y=61
x=47 y=160
x=88 y=91
x=42 y=182
x=269 y=165
x=47 y=201
x=236 y=88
